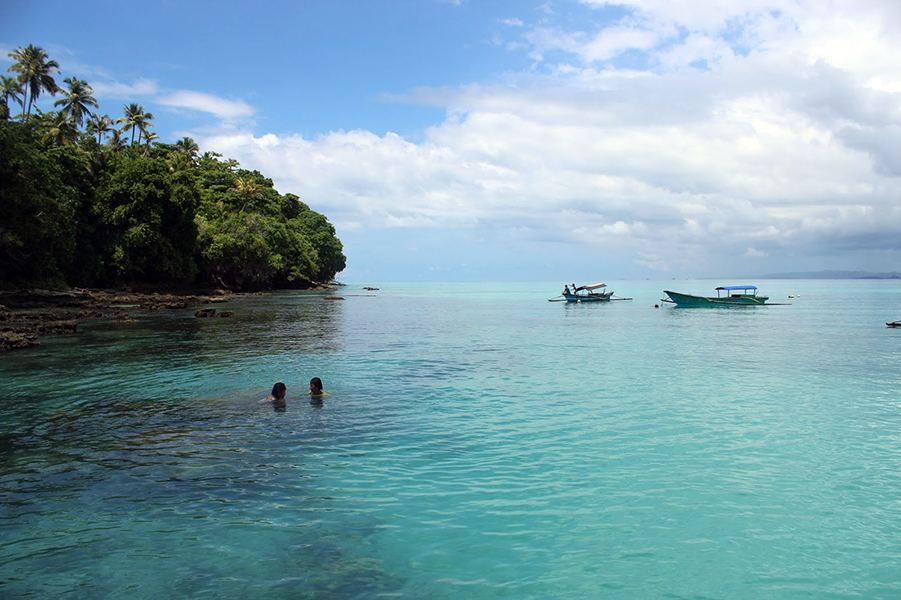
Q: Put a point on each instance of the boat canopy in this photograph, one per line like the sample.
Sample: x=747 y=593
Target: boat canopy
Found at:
x=595 y=286
x=737 y=287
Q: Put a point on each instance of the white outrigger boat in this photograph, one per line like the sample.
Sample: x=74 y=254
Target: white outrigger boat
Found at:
x=586 y=293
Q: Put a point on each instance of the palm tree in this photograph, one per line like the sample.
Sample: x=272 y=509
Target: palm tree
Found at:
x=132 y=111
x=34 y=72
x=136 y=118
x=179 y=162
x=247 y=189
x=151 y=137
x=11 y=88
x=58 y=129
x=77 y=100
x=185 y=155
x=116 y=142
x=101 y=125
x=144 y=127
x=188 y=147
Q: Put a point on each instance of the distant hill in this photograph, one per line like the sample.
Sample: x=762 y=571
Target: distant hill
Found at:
x=833 y=275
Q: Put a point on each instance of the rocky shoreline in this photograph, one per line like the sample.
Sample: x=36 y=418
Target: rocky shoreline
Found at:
x=28 y=315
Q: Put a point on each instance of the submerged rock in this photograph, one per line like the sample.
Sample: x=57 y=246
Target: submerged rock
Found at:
x=56 y=327
x=27 y=314
x=12 y=340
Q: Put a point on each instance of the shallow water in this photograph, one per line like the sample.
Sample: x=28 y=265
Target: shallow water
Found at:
x=478 y=442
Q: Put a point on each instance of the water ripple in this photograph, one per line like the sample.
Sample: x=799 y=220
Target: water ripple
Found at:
x=471 y=447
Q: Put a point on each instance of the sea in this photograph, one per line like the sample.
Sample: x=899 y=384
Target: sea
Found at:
x=478 y=441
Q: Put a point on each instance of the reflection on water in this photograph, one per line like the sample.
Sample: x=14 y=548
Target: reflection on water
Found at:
x=175 y=354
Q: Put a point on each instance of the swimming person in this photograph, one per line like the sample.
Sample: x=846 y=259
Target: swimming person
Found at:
x=277 y=397
x=316 y=392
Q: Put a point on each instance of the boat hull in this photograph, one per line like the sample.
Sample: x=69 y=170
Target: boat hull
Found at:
x=733 y=300
x=588 y=297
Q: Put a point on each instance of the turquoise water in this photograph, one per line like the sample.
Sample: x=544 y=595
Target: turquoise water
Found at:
x=478 y=442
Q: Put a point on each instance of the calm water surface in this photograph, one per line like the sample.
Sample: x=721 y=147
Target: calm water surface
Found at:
x=478 y=442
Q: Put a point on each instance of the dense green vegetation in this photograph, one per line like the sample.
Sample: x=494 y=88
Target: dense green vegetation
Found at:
x=85 y=204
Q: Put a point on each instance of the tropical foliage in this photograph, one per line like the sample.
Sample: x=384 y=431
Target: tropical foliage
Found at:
x=35 y=73
x=84 y=203
x=77 y=100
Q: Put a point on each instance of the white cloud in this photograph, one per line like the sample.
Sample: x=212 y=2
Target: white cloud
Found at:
x=785 y=142
x=208 y=103
x=140 y=88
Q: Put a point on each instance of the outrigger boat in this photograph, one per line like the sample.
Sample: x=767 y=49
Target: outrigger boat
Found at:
x=730 y=295
x=587 y=293
x=894 y=323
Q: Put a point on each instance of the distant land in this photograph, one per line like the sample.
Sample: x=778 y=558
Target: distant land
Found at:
x=833 y=275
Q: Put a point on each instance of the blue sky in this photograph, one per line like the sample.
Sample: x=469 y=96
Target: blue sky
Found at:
x=571 y=140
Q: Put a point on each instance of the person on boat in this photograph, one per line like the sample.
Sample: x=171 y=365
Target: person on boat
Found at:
x=565 y=290
x=277 y=397
x=316 y=392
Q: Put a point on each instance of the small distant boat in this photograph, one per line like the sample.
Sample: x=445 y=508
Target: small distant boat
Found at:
x=587 y=293
x=730 y=295
x=894 y=324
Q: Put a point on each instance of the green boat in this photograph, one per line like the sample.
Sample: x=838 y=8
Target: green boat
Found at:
x=730 y=295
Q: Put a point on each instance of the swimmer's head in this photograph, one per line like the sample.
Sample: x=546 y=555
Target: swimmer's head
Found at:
x=279 y=390
x=315 y=385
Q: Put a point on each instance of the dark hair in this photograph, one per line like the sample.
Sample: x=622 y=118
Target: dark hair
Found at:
x=278 y=388
x=317 y=382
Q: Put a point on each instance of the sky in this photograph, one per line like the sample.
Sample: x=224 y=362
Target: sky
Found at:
x=571 y=140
